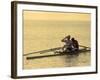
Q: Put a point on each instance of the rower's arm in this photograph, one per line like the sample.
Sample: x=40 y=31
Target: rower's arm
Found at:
x=64 y=39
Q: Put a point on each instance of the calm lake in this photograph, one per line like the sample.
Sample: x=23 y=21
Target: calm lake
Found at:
x=42 y=35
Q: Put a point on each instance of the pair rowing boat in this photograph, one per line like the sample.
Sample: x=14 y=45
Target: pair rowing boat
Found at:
x=57 y=52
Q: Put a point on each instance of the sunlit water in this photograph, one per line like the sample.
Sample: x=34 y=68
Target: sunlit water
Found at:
x=42 y=35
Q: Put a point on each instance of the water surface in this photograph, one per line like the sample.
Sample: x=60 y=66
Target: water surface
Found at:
x=42 y=35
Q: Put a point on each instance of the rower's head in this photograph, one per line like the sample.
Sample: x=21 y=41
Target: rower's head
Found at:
x=73 y=39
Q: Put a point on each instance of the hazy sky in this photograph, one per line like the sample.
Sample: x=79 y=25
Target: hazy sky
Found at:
x=37 y=15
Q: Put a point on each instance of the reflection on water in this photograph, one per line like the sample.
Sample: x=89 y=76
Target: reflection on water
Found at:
x=81 y=59
x=78 y=60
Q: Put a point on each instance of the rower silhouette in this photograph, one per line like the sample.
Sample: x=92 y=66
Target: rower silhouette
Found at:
x=71 y=44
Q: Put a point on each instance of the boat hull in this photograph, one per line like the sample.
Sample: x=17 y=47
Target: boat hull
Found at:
x=58 y=53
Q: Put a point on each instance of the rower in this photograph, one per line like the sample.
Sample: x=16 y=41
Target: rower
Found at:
x=67 y=47
x=75 y=45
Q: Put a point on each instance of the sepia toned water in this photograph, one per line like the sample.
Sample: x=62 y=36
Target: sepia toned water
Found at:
x=42 y=35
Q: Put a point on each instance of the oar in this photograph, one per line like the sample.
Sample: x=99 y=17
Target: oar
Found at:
x=84 y=46
x=49 y=50
x=43 y=51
